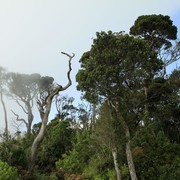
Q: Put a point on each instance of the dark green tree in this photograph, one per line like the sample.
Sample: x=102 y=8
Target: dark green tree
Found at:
x=163 y=104
x=117 y=68
x=158 y=29
x=161 y=34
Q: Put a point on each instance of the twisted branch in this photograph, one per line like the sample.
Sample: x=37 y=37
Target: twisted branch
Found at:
x=69 y=71
x=19 y=119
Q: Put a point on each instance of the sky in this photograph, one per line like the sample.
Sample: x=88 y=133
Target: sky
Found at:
x=34 y=32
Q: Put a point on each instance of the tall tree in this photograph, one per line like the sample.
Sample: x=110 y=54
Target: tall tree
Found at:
x=117 y=68
x=23 y=89
x=162 y=93
x=160 y=32
x=47 y=91
x=2 y=83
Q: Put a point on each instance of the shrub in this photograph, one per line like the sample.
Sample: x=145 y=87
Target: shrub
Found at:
x=8 y=172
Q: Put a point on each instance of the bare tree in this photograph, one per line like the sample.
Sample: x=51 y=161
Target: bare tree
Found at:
x=44 y=106
x=23 y=89
x=2 y=78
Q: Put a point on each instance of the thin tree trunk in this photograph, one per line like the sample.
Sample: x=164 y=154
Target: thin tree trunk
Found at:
x=145 y=108
x=5 y=116
x=30 y=120
x=116 y=165
x=129 y=156
x=93 y=117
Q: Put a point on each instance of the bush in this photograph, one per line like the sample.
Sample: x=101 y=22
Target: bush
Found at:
x=8 y=172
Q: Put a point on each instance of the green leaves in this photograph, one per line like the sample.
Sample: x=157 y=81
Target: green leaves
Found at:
x=113 y=59
x=159 y=157
x=157 y=29
x=8 y=172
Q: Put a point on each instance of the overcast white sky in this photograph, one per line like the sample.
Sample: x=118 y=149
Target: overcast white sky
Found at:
x=34 y=32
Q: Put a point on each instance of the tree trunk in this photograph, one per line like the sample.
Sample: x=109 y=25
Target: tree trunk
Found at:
x=116 y=165
x=146 y=112
x=129 y=156
x=30 y=119
x=93 y=118
x=5 y=116
x=44 y=113
x=36 y=143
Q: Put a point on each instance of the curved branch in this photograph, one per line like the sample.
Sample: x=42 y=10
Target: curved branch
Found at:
x=21 y=106
x=18 y=119
x=69 y=71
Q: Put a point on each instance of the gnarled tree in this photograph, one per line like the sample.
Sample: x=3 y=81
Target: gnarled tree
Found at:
x=47 y=91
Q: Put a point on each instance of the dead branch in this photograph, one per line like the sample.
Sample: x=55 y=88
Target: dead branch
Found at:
x=19 y=119
x=69 y=71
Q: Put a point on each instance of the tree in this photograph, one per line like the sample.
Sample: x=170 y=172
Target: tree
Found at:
x=160 y=32
x=158 y=29
x=86 y=115
x=163 y=104
x=23 y=89
x=117 y=68
x=2 y=82
x=48 y=90
x=155 y=155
